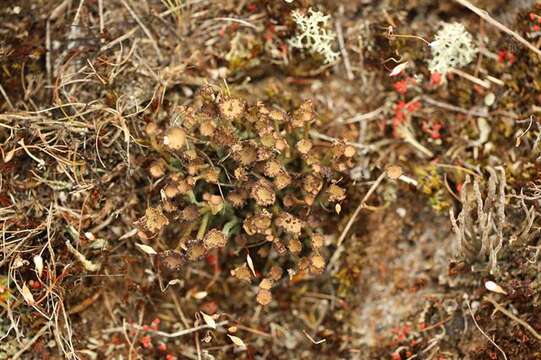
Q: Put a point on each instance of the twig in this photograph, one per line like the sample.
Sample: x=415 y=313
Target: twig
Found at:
x=253 y=331
x=6 y=97
x=240 y=21
x=54 y=15
x=31 y=341
x=48 y=66
x=406 y=132
x=482 y=332
x=364 y=117
x=483 y=14
x=119 y=39
x=312 y=339
x=179 y=309
x=318 y=135
x=343 y=50
x=170 y=335
x=471 y=78
x=409 y=37
x=173 y=9
x=451 y=107
x=513 y=317
x=491 y=78
x=25 y=148
x=87 y=264
x=75 y=29
x=145 y=29
x=100 y=12
x=361 y=205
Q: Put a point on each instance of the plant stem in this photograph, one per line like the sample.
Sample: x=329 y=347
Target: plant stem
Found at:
x=483 y=14
x=229 y=226
x=362 y=204
x=203 y=226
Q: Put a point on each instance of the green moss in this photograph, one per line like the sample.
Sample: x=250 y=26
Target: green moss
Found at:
x=431 y=182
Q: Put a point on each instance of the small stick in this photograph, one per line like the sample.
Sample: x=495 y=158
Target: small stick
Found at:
x=145 y=29
x=364 y=117
x=451 y=107
x=119 y=39
x=362 y=204
x=512 y=316
x=253 y=331
x=471 y=78
x=100 y=11
x=170 y=335
x=343 y=50
x=87 y=264
x=312 y=339
x=409 y=37
x=483 y=14
x=25 y=148
x=54 y=15
x=240 y=21
x=405 y=131
x=482 y=332
x=317 y=135
x=48 y=66
x=31 y=342
x=394 y=173
x=6 y=97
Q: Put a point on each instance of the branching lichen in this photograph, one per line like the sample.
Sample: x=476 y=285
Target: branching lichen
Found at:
x=313 y=34
x=453 y=47
x=480 y=224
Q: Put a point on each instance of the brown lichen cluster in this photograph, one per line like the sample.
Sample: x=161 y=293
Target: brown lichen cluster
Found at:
x=239 y=175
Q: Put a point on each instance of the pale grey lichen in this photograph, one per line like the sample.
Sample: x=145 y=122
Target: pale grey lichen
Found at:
x=313 y=34
x=480 y=225
x=453 y=47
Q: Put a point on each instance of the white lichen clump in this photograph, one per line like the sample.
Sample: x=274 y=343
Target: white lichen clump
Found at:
x=453 y=47
x=313 y=34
